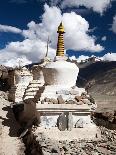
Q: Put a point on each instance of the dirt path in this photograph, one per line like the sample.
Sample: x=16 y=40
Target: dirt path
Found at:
x=9 y=142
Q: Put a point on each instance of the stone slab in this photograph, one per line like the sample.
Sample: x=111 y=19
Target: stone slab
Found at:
x=62 y=107
x=86 y=133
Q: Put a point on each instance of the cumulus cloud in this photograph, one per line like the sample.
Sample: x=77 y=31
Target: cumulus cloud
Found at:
x=34 y=45
x=82 y=58
x=73 y=58
x=18 y=62
x=109 y=57
x=114 y=24
x=76 y=27
x=29 y=50
x=104 y=38
x=5 y=28
x=79 y=59
x=96 y=5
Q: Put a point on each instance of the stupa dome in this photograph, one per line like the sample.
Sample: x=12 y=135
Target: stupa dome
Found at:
x=60 y=73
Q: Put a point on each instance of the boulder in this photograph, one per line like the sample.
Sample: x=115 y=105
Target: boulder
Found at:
x=86 y=101
x=46 y=99
x=42 y=102
x=91 y=99
x=54 y=101
x=62 y=122
x=60 y=100
x=79 y=103
x=64 y=92
x=78 y=98
x=80 y=123
x=74 y=92
x=71 y=102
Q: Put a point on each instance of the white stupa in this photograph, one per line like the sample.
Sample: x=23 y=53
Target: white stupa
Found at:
x=60 y=105
x=59 y=74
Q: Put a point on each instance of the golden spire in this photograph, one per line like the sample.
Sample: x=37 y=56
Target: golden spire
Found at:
x=60 y=44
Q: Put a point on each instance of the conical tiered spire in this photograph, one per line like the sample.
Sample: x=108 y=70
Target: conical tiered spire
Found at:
x=60 y=44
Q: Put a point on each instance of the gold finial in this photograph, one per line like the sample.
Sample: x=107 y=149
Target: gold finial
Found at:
x=60 y=44
x=61 y=28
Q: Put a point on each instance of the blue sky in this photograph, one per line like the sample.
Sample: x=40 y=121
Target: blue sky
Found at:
x=18 y=13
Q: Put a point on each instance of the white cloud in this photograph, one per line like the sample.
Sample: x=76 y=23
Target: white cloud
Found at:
x=76 y=27
x=32 y=50
x=104 y=38
x=82 y=58
x=34 y=46
x=109 y=57
x=96 y=5
x=114 y=24
x=73 y=58
x=21 y=61
x=5 y=28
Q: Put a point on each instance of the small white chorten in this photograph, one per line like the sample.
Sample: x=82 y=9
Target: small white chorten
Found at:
x=57 y=105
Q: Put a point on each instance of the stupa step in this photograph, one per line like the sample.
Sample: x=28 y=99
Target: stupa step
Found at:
x=34 y=86
x=30 y=94
x=35 y=81
x=32 y=89
x=28 y=97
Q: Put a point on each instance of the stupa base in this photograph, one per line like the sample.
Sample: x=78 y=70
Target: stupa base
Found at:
x=89 y=133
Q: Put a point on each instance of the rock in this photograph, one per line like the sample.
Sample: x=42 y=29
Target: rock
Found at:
x=86 y=101
x=74 y=92
x=79 y=103
x=91 y=99
x=45 y=153
x=54 y=150
x=50 y=103
x=59 y=92
x=64 y=92
x=109 y=115
x=60 y=100
x=71 y=102
x=84 y=94
x=42 y=102
x=62 y=122
x=70 y=121
x=54 y=101
x=80 y=123
x=3 y=95
x=103 y=150
x=78 y=98
x=47 y=99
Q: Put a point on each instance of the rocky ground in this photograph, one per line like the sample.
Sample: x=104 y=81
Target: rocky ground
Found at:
x=38 y=144
x=10 y=144
x=101 y=84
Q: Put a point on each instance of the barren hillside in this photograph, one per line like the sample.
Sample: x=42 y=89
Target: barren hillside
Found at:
x=100 y=80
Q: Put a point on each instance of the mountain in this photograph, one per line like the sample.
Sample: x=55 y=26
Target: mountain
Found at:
x=99 y=79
